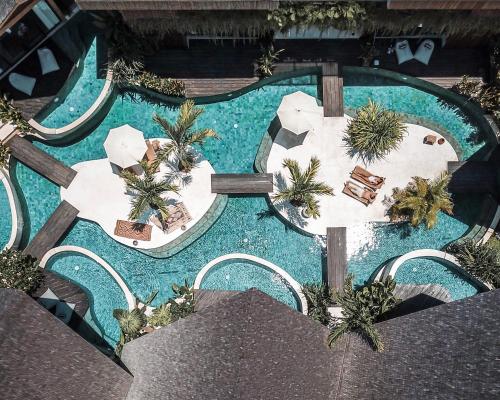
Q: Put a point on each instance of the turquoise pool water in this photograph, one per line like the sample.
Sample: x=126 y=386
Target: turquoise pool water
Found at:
x=103 y=291
x=243 y=275
x=6 y=216
x=246 y=225
x=424 y=271
x=81 y=97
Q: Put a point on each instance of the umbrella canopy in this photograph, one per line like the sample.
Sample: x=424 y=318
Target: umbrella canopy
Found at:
x=297 y=113
x=125 y=146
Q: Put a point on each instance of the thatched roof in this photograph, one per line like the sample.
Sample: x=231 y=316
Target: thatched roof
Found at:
x=177 y=5
x=6 y=8
x=249 y=346
x=41 y=358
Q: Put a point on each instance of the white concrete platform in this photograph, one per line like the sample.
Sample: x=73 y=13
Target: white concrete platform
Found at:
x=100 y=195
x=412 y=158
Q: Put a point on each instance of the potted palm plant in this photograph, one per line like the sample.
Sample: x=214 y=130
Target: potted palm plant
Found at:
x=422 y=200
x=304 y=187
x=147 y=191
x=374 y=132
x=183 y=136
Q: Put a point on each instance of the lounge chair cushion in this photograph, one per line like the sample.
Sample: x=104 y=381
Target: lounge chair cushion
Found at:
x=424 y=51
x=47 y=60
x=403 y=51
x=23 y=83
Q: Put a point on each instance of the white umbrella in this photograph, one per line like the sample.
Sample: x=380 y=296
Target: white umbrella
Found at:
x=297 y=113
x=125 y=146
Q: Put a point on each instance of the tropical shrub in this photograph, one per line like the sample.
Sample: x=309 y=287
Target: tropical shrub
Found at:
x=10 y=114
x=362 y=308
x=160 y=316
x=374 y=132
x=303 y=187
x=125 y=72
x=147 y=191
x=266 y=62
x=19 y=271
x=337 y=14
x=183 y=136
x=488 y=97
x=480 y=260
x=166 y=86
x=421 y=201
x=4 y=155
x=319 y=297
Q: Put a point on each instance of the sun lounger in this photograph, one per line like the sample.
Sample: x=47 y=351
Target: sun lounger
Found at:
x=367 y=178
x=178 y=216
x=403 y=51
x=360 y=193
x=47 y=60
x=424 y=51
x=23 y=83
x=133 y=230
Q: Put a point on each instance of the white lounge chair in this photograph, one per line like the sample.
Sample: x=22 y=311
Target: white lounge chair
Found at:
x=403 y=51
x=48 y=61
x=424 y=51
x=23 y=83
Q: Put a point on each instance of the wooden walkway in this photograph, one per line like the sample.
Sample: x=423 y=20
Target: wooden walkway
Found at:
x=336 y=262
x=333 y=90
x=473 y=177
x=40 y=161
x=418 y=297
x=53 y=230
x=242 y=183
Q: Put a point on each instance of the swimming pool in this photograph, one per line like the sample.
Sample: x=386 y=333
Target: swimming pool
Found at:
x=5 y=213
x=246 y=224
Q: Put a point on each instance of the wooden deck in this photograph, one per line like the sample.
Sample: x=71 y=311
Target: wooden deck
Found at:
x=473 y=177
x=53 y=230
x=333 y=90
x=40 y=161
x=336 y=262
x=242 y=183
x=67 y=291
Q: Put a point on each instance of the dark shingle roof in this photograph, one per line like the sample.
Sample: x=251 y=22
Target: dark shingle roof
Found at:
x=41 y=358
x=248 y=346
x=446 y=352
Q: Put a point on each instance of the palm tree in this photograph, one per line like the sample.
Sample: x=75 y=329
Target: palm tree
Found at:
x=183 y=136
x=319 y=297
x=4 y=155
x=422 y=200
x=362 y=308
x=147 y=191
x=304 y=187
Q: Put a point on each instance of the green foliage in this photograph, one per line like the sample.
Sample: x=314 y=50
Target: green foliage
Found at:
x=125 y=72
x=304 y=187
x=166 y=86
x=266 y=62
x=422 y=200
x=147 y=191
x=362 y=308
x=488 y=97
x=374 y=132
x=183 y=136
x=19 y=271
x=319 y=297
x=4 y=155
x=10 y=114
x=337 y=14
x=480 y=260
x=180 y=306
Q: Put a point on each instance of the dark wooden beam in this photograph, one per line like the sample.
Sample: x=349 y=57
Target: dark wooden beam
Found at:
x=242 y=183
x=336 y=257
x=333 y=90
x=53 y=230
x=40 y=161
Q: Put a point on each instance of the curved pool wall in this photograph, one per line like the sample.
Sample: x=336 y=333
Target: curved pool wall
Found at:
x=278 y=281
x=246 y=225
x=10 y=211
